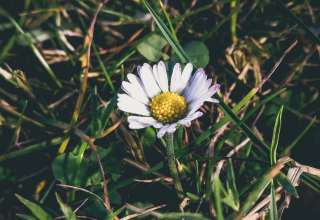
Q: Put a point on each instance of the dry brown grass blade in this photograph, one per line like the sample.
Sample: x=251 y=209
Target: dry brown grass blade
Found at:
x=293 y=175
x=85 y=63
x=150 y=211
x=110 y=129
x=8 y=108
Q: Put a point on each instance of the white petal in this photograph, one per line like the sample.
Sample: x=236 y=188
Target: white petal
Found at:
x=212 y=100
x=198 y=86
x=130 y=105
x=185 y=76
x=162 y=76
x=197 y=82
x=166 y=129
x=135 y=91
x=155 y=74
x=187 y=120
x=148 y=80
x=208 y=93
x=175 y=78
x=133 y=79
x=213 y=90
x=162 y=131
x=194 y=106
x=138 y=122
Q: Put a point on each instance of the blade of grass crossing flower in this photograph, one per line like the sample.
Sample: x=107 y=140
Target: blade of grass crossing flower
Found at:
x=236 y=109
x=242 y=125
x=273 y=205
x=275 y=137
x=206 y=134
x=167 y=34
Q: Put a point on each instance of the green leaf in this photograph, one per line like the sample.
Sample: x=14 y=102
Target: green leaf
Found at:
x=284 y=181
x=71 y=168
x=182 y=215
x=273 y=205
x=217 y=187
x=36 y=210
x=66 y=210
x=198 y=52
x=232 y=194
x=149 y=137
x=151 y=47
x=275 y=137
x=25 y=217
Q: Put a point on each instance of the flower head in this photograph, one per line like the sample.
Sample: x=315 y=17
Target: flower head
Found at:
x=156 y=102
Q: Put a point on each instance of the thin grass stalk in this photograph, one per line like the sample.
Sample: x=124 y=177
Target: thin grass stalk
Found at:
x=172 y=165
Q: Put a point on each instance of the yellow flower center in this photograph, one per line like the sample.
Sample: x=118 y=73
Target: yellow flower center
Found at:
x=168 y=107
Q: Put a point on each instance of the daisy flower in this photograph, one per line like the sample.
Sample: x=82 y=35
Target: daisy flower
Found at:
x=156 y=101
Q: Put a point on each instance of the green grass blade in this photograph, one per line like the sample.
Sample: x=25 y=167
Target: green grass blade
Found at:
x=66 y=210
x=273 y=206
x=217 y=197
x=231 y=184
x=36 y=210
x=275 y=137
x=167 y=34
x=241 y=124
x=182 y=215
x=284 y=181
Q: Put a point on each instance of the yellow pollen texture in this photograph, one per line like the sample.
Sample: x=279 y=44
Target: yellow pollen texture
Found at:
x=168 y=107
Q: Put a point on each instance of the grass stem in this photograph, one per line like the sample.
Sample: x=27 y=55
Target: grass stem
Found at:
x=172 y=165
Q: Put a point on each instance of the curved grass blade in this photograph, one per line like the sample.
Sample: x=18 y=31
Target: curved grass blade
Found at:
x=36 y=210
x=217 y=197
x=67 y=211
x=275 y=137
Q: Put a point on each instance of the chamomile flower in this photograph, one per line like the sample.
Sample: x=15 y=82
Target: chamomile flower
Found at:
x=156 y=101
